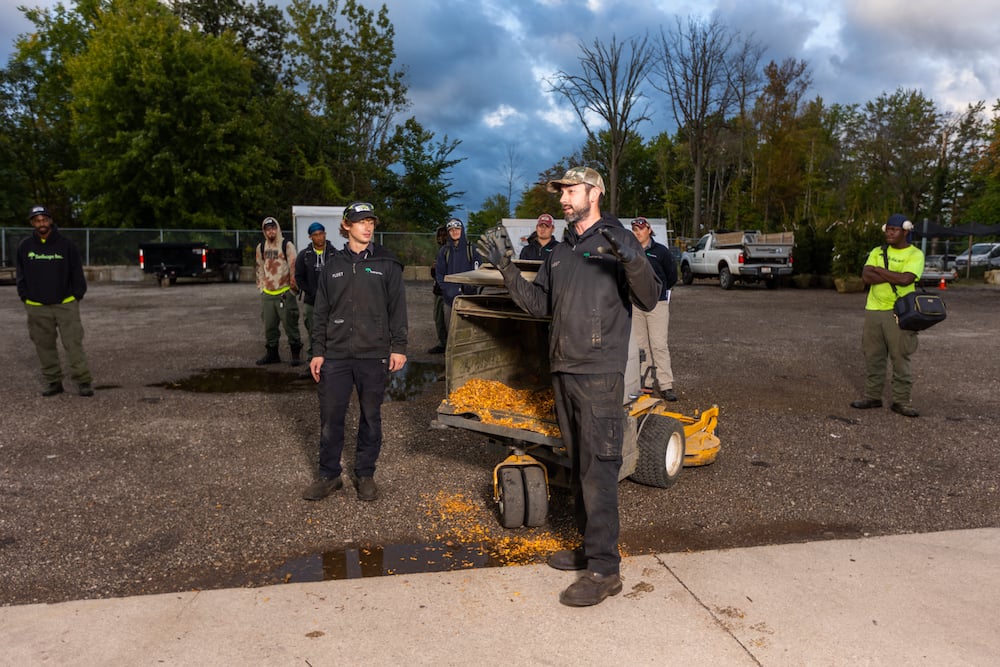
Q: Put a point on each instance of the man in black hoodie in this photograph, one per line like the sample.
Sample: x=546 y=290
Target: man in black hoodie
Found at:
x=588 y=285
x=50 y=283
x=358 y=338
x=456 y=256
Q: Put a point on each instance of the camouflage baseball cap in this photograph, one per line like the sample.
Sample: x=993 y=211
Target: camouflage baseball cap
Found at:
x=578 y=175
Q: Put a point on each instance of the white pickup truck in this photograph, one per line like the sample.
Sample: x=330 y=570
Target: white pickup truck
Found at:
x=744 y=256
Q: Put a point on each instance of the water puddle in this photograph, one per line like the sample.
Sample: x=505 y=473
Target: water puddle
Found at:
x=403 y=385
x=356 y=562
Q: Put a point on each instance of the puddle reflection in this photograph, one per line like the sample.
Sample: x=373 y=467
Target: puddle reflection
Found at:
x=403 y=385
x=377 y=561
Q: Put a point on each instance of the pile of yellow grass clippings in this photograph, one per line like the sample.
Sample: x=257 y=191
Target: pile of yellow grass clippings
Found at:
x=496 y=403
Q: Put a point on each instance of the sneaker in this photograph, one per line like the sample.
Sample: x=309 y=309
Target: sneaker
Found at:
x=904 y=410
x=367 y=489
x=437 y=349
x=86 y=389
x=591 y=589
x=53 y=389
x=568 y=559
x=866 y=403
x=322 y=487
x=668 y=395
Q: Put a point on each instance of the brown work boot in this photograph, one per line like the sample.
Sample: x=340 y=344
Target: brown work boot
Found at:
x=568 y=559
x=367 y=489
x=322 y=487
x=591 y=589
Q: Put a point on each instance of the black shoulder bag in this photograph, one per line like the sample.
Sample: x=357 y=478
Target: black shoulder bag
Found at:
x=913 y=311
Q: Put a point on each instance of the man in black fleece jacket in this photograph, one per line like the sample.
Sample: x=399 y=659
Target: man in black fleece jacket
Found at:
x=358 y=338
x=588 y=284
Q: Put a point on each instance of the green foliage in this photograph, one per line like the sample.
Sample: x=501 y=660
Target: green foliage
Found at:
x=493 y=210
x=853 y=242
x=416 y=198
x=813 y=249
x=162 y=123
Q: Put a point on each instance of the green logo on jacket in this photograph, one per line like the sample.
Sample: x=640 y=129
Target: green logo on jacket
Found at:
x=35 y=255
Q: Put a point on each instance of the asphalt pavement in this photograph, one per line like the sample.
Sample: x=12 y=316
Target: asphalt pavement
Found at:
x=920 y=599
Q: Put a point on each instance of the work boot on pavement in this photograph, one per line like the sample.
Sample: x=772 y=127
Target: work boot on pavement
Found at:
x=270 y=356
x=86 y=389
x=52 y=389
x=568 y=559
x=591 y=589
x=296 y=356
x=367 y=489
x=322 y=487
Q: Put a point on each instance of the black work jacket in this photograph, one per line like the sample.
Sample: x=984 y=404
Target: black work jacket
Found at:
x=589 y=295
x=360 y=309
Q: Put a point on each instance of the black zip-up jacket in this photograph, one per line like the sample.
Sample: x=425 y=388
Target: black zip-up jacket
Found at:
x=664 y=266
x=589 y=295
x=534 y=249
x=50 y=271
x=306 y=272
x=360 y=310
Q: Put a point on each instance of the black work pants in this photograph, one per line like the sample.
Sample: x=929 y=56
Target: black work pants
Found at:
x=337 y=380
x=592 y=422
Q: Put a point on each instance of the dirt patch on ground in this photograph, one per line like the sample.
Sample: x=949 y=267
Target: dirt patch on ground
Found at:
x=154 y=486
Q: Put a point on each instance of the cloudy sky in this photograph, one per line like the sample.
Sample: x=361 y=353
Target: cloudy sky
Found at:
x=478 y=70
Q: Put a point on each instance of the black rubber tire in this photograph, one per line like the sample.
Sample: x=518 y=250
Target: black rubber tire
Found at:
x=661 y=451
x=687 y=277
x=536 y=497
x=725 y=278
x=511 y=503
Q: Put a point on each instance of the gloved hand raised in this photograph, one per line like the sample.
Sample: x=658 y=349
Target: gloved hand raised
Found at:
x=494 y=245
x=623 y=253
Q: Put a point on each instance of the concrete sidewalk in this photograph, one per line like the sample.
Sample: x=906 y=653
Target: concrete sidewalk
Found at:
x=913 y=599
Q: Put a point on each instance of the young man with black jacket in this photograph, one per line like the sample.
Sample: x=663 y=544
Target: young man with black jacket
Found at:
x=588 y=285
x=359 y=336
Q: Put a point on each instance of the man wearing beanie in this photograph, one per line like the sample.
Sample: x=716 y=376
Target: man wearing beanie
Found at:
x=891 y=271
x=308 y=268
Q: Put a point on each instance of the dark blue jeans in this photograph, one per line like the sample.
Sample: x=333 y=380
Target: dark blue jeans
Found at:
x=337 y=380
x=592 y=421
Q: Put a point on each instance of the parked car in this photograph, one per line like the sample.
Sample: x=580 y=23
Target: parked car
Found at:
x=983 y=254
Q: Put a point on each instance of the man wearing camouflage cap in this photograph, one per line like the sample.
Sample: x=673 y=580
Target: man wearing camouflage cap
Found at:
x=588 y=285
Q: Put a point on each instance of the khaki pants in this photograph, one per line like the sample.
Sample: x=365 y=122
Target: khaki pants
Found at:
x=882 y=340
x=649 y=333
x=45 y=324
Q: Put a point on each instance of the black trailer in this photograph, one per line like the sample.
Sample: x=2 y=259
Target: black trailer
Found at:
x=170 y=261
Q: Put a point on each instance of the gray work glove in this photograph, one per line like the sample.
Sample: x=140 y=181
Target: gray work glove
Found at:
x=495 y=246
x=623 y=253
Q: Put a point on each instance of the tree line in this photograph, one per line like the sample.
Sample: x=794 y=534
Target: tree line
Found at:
x=215 y=113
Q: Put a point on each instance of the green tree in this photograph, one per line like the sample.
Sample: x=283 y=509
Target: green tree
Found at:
x=163 y=124
x=36 y=87
x=491 y=212
x=417 y=198
x=341 y=56
x=897 y=147
x=986 y=175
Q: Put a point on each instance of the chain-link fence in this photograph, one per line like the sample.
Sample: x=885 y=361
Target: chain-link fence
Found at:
x=117 y=247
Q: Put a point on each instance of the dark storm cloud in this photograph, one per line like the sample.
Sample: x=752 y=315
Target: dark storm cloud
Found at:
x=476 y=68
